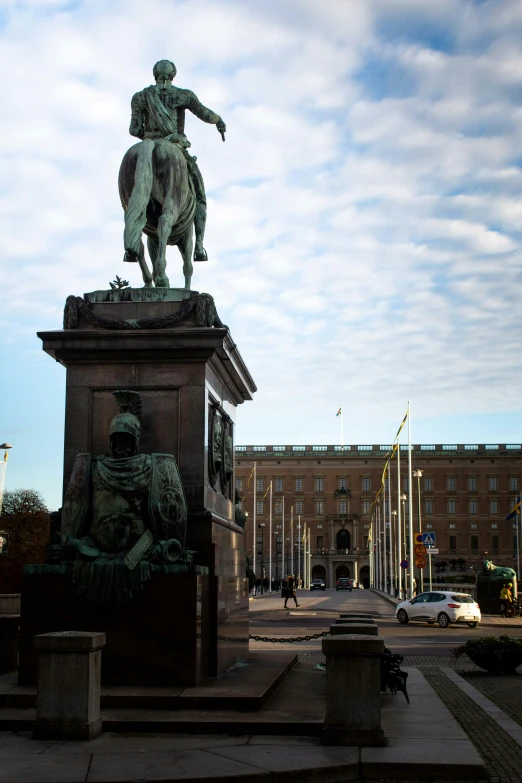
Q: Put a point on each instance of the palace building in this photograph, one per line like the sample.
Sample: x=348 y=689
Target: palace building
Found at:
x=466 y=492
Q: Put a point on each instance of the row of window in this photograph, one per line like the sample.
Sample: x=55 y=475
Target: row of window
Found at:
x=342 y=507
x=451 y=507
x=366 y=484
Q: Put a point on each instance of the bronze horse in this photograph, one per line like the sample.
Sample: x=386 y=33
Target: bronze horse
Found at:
x=158 y=198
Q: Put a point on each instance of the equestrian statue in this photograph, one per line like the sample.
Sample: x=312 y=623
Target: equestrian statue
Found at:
x=161 y=188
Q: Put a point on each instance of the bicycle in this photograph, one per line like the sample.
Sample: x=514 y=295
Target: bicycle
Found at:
x=514 y=609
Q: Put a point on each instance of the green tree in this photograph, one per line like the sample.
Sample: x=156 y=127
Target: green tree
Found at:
x=25 y=517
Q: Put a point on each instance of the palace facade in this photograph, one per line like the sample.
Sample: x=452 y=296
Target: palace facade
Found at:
x=466 y=491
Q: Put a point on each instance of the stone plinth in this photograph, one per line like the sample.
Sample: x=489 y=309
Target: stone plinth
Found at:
x=359 y=620
x=353 y=685
x=357 y=615
x=360 y=628
x=171 y=347
x=69 y=675
x=159 y=639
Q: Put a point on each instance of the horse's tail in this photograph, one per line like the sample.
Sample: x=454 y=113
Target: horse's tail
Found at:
x=136 y=213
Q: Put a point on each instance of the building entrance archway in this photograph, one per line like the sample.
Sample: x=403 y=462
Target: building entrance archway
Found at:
x=343 y=571
x=319 y=572
x=343 y=539
x=364 y=577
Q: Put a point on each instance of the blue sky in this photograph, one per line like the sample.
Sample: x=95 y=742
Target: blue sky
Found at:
x=364 y=214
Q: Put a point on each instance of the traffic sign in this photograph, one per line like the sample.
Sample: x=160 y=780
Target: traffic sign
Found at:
x=404 y=564
x=428 y=539
x=420 y=562
x=420 y=550
x=432 y=550
x=418 y=538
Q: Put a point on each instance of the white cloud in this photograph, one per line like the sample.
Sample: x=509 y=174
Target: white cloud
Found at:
x=364 y=214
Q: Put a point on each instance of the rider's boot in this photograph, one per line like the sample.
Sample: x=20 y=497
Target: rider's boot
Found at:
x=200 y=220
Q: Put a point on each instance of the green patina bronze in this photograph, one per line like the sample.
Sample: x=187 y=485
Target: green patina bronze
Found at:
x=123 y=514
x=161 y=187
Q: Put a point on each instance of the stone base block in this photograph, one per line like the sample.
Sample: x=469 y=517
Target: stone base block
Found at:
x=67 y=730
x=366 y=738
x=159 y=639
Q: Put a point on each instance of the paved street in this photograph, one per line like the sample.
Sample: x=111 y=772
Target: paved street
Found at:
x=319 y=610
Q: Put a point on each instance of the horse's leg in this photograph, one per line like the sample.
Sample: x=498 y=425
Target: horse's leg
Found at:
x=186 y=248
x=153 y=247
x=170 y=214
x=145 y=271
x=136 y=214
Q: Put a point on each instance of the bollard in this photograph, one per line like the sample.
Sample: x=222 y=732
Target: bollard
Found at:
x=351 y=628
x=353 y=691
x=68 y=693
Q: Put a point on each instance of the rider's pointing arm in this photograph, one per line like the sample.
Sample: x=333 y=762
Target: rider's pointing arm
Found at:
x=207 y=115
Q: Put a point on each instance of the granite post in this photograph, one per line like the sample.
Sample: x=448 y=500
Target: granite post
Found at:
x=353 y=685
x=69 y=678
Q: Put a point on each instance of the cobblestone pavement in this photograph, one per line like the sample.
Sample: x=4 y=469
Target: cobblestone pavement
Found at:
x=502 y=756
x=504 y=690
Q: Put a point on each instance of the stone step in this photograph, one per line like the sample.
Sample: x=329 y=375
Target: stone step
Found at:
x=248 y=686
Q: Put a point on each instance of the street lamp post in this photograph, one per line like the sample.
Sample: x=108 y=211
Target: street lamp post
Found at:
x=405 y=555
x=262 y=527
x=418 y=475
x=299 y=542
x=3 y=470
x=397 y=568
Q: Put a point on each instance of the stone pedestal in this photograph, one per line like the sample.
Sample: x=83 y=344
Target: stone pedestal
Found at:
x=353 y=685
x=68 y=695
x=162 y=638
x=351 y=628
x=358 y=620
x=171 y=347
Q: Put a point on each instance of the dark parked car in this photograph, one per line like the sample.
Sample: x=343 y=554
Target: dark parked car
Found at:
x=317 y=584
x=344 y=583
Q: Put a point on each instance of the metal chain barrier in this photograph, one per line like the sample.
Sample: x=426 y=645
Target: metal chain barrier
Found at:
x=274 y=639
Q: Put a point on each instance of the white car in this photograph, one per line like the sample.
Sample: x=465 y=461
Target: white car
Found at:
x=442 y=607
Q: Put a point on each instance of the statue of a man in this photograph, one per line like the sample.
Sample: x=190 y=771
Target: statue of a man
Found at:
x=122 y=511
x=158 y=112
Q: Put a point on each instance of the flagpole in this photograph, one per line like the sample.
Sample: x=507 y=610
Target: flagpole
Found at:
x=292 y=541
x=298 y=575
x=390 y=552
x=309 y=561
x=255 y=525
x=270 y=544
x=384 y=570
x=517 y=518
x=399 y=528
x=342 y=430
x=283 y=547
x=370 y=551
x=410 y=502
x=305 y=564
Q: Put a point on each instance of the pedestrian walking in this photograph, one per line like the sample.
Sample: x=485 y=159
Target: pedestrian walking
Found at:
x=290 y=591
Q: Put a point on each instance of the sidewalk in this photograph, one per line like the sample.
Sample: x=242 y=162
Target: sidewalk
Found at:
x=423 y=741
